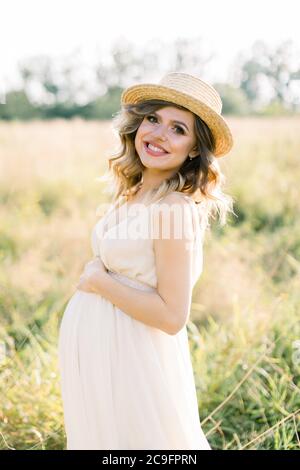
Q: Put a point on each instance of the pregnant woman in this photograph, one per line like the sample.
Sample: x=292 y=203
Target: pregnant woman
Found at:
x=126 y=374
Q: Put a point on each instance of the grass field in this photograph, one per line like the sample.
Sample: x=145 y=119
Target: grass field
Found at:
x=244 y=327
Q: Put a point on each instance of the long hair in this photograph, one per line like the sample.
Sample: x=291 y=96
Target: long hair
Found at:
x=201 y=177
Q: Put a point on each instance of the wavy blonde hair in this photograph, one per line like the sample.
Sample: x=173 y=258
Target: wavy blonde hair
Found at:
x=200 y=176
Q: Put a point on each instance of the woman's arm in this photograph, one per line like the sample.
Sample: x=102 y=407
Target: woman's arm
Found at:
x=146 y=307
x=168 y=307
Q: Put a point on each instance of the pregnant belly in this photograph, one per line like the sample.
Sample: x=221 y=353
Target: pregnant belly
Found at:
x=84 y=312
x=93 y=327
x=92 y=316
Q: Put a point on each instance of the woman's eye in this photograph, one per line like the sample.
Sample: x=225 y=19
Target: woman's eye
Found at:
x=150 y=117
x=181 y=131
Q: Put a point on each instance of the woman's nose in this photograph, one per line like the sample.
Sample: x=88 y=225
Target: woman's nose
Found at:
x=160 y=133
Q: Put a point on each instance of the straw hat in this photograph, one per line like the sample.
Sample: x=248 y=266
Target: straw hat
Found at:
x=192 y=93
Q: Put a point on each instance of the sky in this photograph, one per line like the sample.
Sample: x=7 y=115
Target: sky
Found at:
x=58 y=27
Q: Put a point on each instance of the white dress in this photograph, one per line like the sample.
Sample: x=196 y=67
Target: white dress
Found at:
x=126 y=385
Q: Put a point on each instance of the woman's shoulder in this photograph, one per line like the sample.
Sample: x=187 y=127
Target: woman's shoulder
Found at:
x=186 y=206
x=176 y=213
x=174 y=203
x=176 y=198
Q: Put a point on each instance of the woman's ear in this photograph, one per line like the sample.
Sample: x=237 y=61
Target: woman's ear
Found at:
x=193 y=153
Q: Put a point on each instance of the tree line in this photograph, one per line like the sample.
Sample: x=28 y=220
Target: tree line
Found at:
x=262 y=81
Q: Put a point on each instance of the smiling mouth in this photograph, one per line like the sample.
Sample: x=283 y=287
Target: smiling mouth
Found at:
x=153 y=152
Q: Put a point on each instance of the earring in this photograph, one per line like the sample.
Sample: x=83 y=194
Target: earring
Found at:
x=190 y=158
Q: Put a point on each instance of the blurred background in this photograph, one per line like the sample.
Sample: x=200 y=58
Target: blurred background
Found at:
x=63 y=68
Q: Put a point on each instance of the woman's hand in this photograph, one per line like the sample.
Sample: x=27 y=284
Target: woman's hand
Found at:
x=93 y=273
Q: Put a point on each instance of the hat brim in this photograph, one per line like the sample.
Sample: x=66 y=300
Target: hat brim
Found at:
x=217 y=124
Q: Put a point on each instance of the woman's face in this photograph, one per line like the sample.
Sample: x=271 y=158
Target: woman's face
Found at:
x=170 y=129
